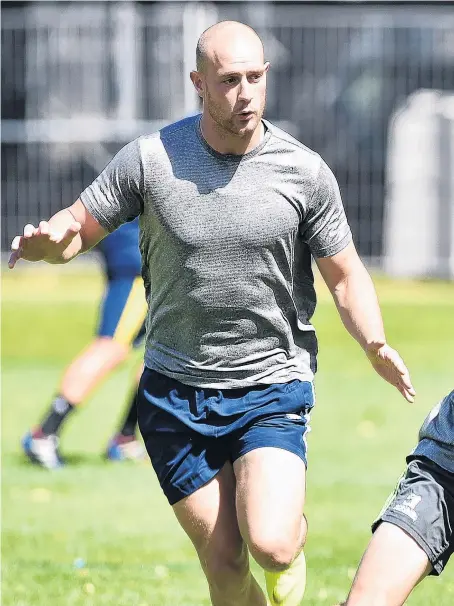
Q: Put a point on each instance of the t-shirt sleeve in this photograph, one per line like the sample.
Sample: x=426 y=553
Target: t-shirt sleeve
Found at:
x=324 y=227
x=116 y=195
x=439 y=424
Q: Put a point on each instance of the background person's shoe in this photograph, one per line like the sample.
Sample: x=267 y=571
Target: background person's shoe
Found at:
x=42 y=450
x=121 y=448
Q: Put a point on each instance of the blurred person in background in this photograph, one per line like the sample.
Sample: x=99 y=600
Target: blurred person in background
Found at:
x=121 y=326
x=414 y=534
x=231 y=209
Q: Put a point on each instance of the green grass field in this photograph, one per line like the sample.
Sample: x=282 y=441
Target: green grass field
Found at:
x=115 y=518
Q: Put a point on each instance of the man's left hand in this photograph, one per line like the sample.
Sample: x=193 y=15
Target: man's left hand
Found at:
x=390 y=366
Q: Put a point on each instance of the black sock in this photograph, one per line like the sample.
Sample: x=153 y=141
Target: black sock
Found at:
x=130 y=422
x=58 y=412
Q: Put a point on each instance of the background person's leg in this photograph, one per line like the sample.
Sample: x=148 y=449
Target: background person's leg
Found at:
x=85 y=373
x=121 y=318
x=100 y=358
x=121 y=325
x=124 y=444
x=208 y=516
x=391 y=567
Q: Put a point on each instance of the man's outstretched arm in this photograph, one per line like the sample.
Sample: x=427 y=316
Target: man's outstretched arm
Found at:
x=68 y=233
x=356 y=300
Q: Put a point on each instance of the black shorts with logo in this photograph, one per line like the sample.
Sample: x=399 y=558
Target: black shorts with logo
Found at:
x=422 y=504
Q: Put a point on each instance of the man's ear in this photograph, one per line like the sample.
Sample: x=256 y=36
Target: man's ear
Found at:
x=197 y=81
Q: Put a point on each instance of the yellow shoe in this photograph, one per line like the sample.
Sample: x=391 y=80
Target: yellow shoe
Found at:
x=287 y=588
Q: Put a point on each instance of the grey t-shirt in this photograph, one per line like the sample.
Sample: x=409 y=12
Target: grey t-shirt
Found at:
x=226 y=245
x=436 y=437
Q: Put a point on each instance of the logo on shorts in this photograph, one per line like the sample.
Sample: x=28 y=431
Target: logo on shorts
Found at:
x=293 y=417
x=409 y=505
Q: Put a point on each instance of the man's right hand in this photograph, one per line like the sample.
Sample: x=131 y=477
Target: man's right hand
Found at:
x=42 y=243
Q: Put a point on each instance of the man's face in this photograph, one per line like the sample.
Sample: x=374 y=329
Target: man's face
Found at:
x=235 y=89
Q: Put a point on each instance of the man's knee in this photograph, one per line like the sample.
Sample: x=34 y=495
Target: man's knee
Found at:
x=274 y=550
x=274 y=553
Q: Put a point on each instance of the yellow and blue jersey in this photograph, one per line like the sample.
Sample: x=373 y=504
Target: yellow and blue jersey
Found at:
x=120 y=251
x=123 y=308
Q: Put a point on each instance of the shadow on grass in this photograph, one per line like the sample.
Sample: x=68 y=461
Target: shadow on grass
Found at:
x=18 y=459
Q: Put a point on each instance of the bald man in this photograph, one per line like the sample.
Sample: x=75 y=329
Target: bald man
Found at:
x=231 y=209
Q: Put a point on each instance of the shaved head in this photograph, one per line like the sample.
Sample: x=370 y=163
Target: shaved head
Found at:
x=214 y=39
x=231 y=81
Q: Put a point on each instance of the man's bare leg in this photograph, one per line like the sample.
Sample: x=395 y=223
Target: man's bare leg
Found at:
x=391 y=567
x=270 y=501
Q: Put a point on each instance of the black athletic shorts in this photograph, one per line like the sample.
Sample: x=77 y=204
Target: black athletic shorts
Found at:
x=422 y=504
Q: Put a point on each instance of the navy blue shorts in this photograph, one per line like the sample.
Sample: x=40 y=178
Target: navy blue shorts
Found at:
x=123 y=310
x=190 y=433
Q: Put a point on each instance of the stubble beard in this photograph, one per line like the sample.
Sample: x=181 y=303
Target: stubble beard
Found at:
x=227 y=126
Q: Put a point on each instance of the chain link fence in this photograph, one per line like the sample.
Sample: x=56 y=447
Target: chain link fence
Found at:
x=81 y=79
